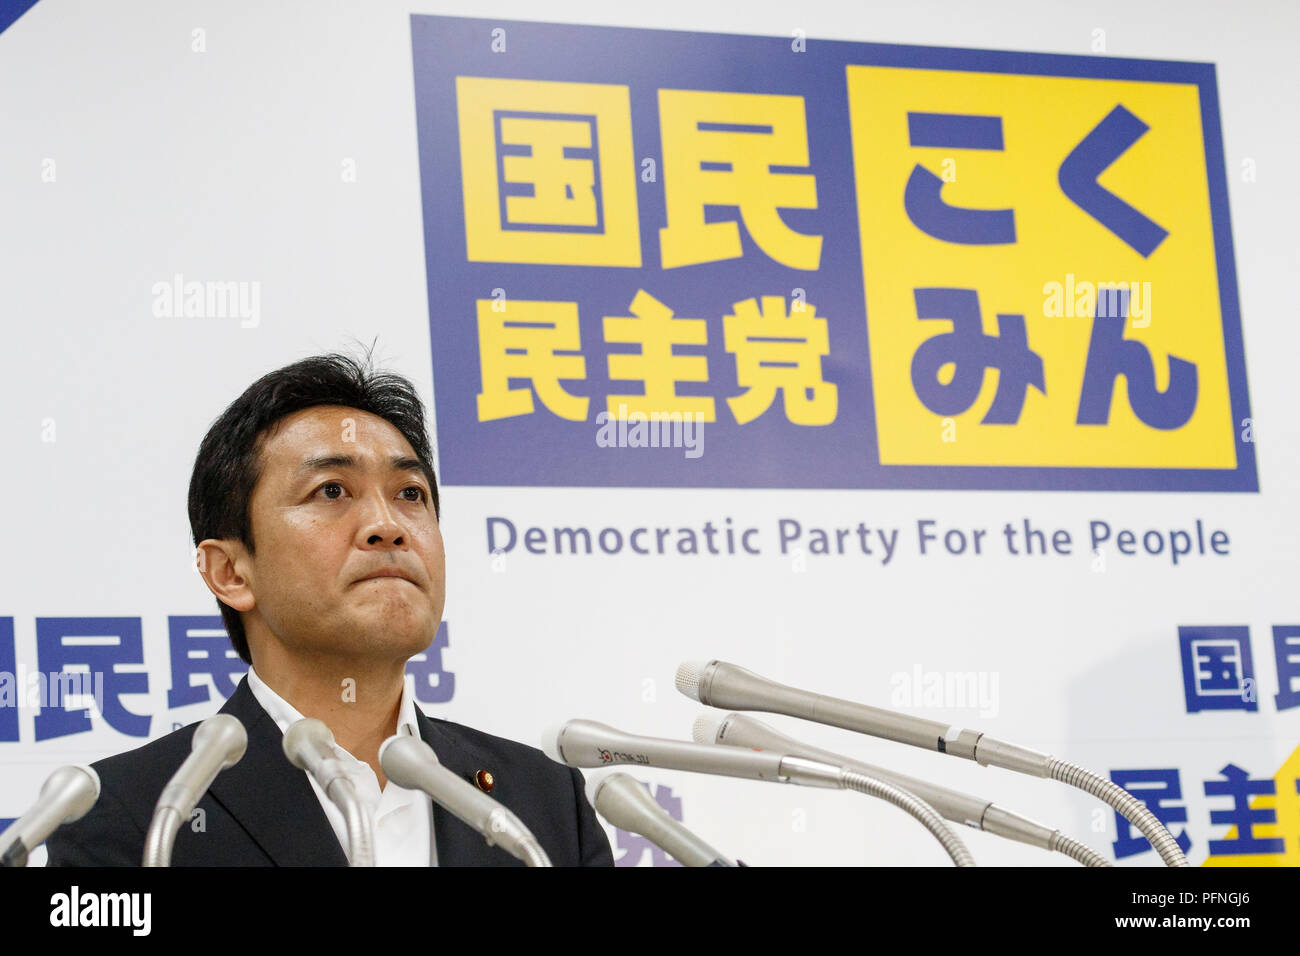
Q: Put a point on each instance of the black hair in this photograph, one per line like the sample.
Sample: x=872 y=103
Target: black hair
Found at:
x=229 y=462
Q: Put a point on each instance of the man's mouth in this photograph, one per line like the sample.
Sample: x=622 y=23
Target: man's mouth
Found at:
x=387 y=576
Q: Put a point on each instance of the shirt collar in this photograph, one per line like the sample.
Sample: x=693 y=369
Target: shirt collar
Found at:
x=286 y=715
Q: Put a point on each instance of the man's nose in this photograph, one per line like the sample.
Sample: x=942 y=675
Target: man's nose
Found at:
x=381 y=524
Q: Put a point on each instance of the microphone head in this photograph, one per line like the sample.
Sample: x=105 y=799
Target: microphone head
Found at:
x=586 y=743
x=616 y=794
x=224 y=734
x=307 y=737
x=705 y=729
x=400 y=757
x=79 y=780
x=551 y=735
x=688 y=679
x=595 y=787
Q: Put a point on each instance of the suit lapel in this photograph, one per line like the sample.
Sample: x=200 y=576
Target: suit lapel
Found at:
x=458 y=844
x=270 y=798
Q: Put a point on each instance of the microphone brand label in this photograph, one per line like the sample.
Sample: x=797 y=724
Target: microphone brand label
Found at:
x=617 y=756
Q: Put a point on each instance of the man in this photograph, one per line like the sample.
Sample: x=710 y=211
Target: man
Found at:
x=314 y=509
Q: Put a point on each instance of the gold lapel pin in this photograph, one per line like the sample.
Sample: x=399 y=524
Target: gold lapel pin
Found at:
x=485 y=780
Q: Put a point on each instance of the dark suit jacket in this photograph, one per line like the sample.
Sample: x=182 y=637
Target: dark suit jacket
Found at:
x=263 y=811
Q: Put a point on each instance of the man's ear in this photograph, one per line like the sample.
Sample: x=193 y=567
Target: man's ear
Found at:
x=225 y=565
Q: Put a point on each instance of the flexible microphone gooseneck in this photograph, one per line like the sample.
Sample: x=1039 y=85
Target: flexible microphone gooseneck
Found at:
x=741 y=730
x=309 y=745
x=219 y=742
x=730 y=687
x=66 y=796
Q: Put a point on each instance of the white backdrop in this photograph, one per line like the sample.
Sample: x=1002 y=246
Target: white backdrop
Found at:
x=225 y=165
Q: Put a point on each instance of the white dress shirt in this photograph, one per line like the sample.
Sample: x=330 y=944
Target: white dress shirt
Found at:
x=403 y=818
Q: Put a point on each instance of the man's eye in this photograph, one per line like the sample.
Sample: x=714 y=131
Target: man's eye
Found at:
x=330 y=484
x=419 y=493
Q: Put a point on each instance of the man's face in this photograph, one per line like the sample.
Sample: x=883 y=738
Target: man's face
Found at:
x=340 y=498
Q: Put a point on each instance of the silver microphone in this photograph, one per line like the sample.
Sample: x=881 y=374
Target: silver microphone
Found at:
x=219 y=742
x=411 y=763
x=624 y=802
x=730 y=687
x=309 y=745
x=66 y=795
x=740 y=730
x=586 y=743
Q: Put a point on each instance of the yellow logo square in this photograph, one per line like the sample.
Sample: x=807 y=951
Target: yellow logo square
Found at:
x=548 y=172
x=1128 y=208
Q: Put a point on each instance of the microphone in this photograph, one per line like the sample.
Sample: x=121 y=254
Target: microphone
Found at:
x=739 y=730
x=587 y=743
x=411 y=763
x=730 y=687
x=309 y=745
x=626 y=804
x=219 y=742
x=66 y=795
